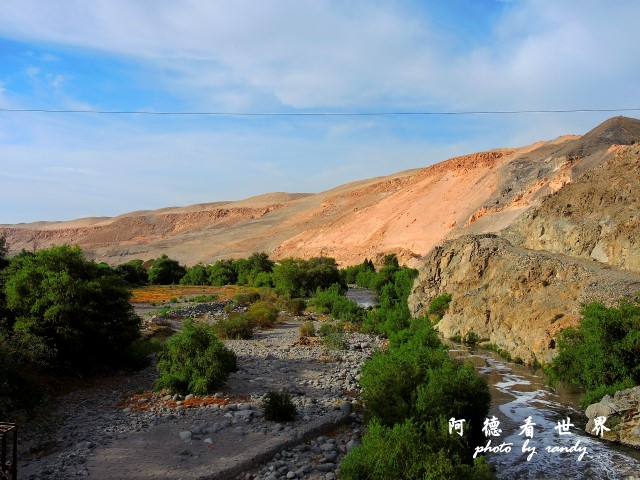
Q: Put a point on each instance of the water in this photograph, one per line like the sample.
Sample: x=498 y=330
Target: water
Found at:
x=363 y=297
x=518 y=392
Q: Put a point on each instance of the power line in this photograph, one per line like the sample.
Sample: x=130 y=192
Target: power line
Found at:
x=315 y=114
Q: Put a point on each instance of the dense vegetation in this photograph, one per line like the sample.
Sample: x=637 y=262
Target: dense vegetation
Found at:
x=59 y=314
x=194 y=361
x=410 y=391
x=601 y=354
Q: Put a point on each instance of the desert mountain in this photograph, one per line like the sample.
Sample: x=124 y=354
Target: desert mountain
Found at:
x=407 y=213
x=520 y=288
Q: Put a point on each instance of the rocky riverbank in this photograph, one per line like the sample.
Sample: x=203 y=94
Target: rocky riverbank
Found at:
x=623 y=417
x=119 y=428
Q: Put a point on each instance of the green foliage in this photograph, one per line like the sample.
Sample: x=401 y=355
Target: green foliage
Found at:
x=245 y=298
x=278 y=407
x=361 y=275
x=20 y=394
x=166 y=271
x=438 y=305
x=410 y=452
x=262 y=314
x=196 y=275
x=69 y=312
x=307 y=329
x=332 y=301
x=410 y=390
x=294 y=277
x=133 y=273
x=293 y=306
x=394 y=285
x=194 y=361
x=328 y=328
x=202 y=298
x=601 y=355
x=335 y=341
x=255 y=270
x=222 y=273
x=234 y=327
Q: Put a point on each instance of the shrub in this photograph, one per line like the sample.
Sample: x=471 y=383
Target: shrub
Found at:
x=73 y=313
x=278 y=407
x=194 y=361
x=438 y=305
x=202 y=298
x=245 y=298
x=133 y=273
x=166 y=271
x=335 y=341
x=406 y=451
x=295 y=306
x=333 y=301
x=234 y=327
x=196 y=275
x=307 y=329
x=601 y=355
x=262 y=314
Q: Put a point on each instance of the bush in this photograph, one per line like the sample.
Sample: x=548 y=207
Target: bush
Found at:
x=293 y=306
x=166 y=271
x=234 y=327
x=262 y=314
x=307 y=329
x=133 y=273
x=294 y=277
x=332 y=301
x=245 y=298
x=195 y=361
x=409 y=451
x=335 y=341
x=69 y=312
x=601 y=354
x=438 y=305
x=278 y=407
x=196 y=275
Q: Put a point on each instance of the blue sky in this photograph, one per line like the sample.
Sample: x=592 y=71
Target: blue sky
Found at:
x=285 y=56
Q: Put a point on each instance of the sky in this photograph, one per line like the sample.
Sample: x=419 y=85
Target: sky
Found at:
x=285 y=56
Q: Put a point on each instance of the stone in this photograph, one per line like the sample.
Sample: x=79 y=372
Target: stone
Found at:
x=326 y=467
x=189 y=397
x=345 y=407
x=185 y=435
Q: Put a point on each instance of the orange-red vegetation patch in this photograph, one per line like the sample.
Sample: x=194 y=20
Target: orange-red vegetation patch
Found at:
x=148 y=400
x=164 y=293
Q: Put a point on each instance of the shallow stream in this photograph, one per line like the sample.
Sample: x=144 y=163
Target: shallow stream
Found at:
x=519 y=392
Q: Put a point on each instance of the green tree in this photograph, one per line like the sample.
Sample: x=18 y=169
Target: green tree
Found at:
x=133 y=272
x=601 y=354
x=195 y=360
x=166 y=271
x=68 y=311
x=222 y=273
x=196 y=275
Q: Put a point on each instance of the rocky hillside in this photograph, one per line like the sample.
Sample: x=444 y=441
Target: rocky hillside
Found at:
x=407 y=213
x=576 y=245
x=512 y=297
x=597 y=216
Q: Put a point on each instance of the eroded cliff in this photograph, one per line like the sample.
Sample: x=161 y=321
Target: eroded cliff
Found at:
x=514 y=298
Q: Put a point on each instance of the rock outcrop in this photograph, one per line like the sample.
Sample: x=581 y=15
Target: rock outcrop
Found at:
x=596 y=217
x=622 y=414
x=514 y=298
